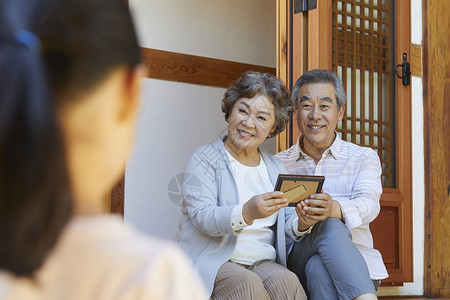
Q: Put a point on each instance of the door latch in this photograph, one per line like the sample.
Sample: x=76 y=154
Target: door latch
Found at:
x=406 y=71
x=304 y=5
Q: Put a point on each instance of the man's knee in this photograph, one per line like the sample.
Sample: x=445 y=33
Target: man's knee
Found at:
x=314 y=267
x=334 y=228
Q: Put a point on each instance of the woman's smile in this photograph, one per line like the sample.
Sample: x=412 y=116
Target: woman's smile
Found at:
x=245 y=133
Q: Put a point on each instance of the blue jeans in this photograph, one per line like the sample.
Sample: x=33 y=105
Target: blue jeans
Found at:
x=329 y=265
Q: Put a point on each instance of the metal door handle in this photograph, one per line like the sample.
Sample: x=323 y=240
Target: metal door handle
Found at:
x=406 y=71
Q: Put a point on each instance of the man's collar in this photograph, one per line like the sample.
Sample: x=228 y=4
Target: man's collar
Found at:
x=301 y=154
x=333 y=149
x=336 y=146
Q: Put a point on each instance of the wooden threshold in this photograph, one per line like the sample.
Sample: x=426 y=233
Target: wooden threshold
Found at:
x=402 y=297
x=409 y=298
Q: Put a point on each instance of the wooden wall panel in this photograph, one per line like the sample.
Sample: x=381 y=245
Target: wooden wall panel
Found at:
x=385 y=228
x=436 y=99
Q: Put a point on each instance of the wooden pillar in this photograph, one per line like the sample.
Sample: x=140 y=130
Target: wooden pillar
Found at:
x=436 y=98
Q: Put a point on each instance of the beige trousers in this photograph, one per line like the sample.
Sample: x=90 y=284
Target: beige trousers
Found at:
x=264 y=279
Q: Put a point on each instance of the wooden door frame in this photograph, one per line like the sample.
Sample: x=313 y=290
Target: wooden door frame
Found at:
x=403 y=148
x=314 y=44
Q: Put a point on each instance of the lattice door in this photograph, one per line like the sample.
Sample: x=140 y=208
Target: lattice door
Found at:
x=362 y=55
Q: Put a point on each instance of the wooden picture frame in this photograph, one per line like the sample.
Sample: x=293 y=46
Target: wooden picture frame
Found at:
x=298 y=187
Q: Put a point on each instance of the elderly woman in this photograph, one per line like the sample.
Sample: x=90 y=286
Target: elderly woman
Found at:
x=233 y=224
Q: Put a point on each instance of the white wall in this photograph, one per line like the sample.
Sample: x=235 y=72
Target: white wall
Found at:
x=176 y=118
x=416 y=287
x=236 y=30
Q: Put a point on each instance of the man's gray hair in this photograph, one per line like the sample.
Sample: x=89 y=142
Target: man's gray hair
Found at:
x=320 y=76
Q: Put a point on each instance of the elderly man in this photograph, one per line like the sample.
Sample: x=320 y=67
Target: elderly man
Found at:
x=348 y=203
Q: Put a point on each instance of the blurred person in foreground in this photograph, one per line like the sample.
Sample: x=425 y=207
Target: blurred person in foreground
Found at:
x=69 y=93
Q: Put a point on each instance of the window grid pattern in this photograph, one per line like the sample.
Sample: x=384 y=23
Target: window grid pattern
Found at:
x=361 y=57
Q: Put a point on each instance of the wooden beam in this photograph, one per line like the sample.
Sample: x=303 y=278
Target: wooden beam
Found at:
x=282 y=60
x=193 y=69
x=416 y=60
x=436 y=101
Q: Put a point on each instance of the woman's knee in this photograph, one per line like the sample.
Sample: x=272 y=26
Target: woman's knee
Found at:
x=249 y=278
x=238 y=283
x=284 y=285
x=250 y=283
x=286 y=276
